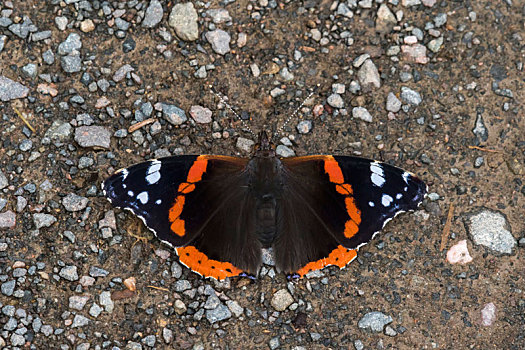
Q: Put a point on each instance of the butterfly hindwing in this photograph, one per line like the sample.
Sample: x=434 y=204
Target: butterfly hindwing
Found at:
x=197 y=204
x=334 y=204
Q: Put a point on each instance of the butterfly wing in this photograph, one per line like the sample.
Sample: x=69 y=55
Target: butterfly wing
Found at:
x=332 y=205
x=198 y=204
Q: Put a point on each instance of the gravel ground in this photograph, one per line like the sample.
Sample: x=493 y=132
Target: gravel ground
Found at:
x=88 y=87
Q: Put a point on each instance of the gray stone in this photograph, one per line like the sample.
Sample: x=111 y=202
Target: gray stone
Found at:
x=122 y=24
x=23 y=29
x=59 y=131
x=10 y=324
x=121 y=72
x=3 y=39
x=78 y=302
x=10 y=90
x=69 y=273
x=93 y=136
x=284 y=151
x=244 y=144
x=153 y=14
x=7 y=219
x=80 y=321
x=3 y=180
x=183 y=18
x=43 y=35
x=408 y=3
x=410 y=96
x=8 y=288
x=219 y=40
x=218 y=314
x=335 y=100
x=201 y=115
x=219 y=15
x=235 y=308
x=73 y=202
x=167 y=335
x=61 y=22
x=17 y=340
x=393 y=104
x=304 y=126
x=71 y=45
x=286 y=74
x=274 y=343
x=368 y=76
x=490 y=228
x=361 y=113
x=182 y=285
x=173 y=114
x=176 y=270
x=43 y=220
x=435 y=44
x=95 y=271
x=95 y=310
x=385 y=19
x=30 y=70
x=440 y=19
x=150 y=340
x=106 y=301
x=375 y=321
x=71 y=63
x=281 y=300
x=212 y=302
x=48 y=57
x=481 y=132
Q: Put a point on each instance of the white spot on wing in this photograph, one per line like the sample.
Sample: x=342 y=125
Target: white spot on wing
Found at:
x=143 y=197
x=124 y=173
x=158 y=201
x=153 y=178
x=386 y=200
x=153 y=172
x=406 y=175
x=399 y=196
x=130 y=193
x=377 y=180
x=378 y=175
x=371 y=204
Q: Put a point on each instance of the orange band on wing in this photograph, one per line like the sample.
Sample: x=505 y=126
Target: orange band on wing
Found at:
x=340 y=256
x=197 y=169
x=176 y=208
x=344 y=189
x=195 y=173
x=178 y=227
x=355 y=214
x=331 y=167
x=200 y=263
x=186 y=188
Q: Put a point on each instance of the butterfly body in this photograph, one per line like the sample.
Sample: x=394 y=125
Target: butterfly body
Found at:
x=219 y=212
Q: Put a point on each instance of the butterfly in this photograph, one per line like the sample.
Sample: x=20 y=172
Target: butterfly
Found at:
x=220 y=212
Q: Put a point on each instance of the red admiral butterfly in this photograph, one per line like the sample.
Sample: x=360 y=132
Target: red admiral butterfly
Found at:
x=219 y=212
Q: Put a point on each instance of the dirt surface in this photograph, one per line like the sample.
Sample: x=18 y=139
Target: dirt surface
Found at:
x=65 y=269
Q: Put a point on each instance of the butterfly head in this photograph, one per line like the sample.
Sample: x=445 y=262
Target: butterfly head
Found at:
x=264 y=148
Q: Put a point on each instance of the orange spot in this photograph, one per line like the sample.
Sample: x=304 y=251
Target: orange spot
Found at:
x=200 y=263
x=176 y=209
x=351 y=229
x=340 y=256
x=353 y=212
x=344 y=189
x=186 y=188
x=197 y=169
x=333 y=170
x=178 y=227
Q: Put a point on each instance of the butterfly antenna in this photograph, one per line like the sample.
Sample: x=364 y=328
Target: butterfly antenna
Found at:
x=281 y=128
x=235 y=113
